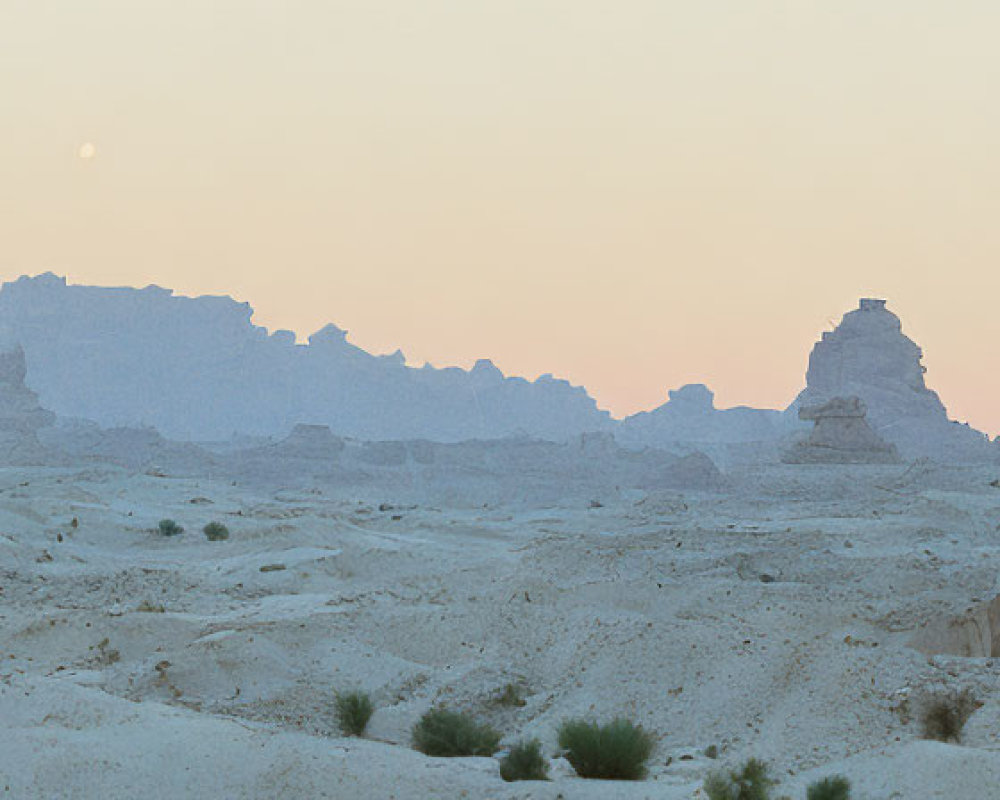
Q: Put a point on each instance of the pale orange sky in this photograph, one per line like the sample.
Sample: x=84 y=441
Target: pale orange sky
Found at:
x=632 y=195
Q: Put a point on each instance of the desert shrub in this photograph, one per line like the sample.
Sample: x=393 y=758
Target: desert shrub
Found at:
x=616 y=751
x=718 y=786
x=440 y=732
x=511 y=696
x=215 y=531
x=835 y=788
x=168 y=527
x=354 y=709
x=525 y=762
x=945 y=714
x=106 y=655
x=712 y=751
x=750 y=782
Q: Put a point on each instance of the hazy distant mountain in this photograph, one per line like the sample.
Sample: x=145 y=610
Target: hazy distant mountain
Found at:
x=690 y=416
x=198 y=368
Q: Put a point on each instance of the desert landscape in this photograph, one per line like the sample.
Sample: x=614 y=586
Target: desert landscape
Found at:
x=499 y=400
x=790 y=586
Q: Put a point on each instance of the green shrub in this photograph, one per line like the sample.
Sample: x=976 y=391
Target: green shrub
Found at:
x=168 y=527
x=616 y=751
x=440 y=732
x=511 y=696
x=718 y=786
x=525 y=762
x=945 y=714
x=215 y=532
x=835 y=788
x=751 y=782
x=354 y=709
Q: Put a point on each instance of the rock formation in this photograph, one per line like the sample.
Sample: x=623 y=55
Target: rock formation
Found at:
x=690 y=415
x=199 y=369
x=139 y=449
x=840 y=436
x=867 y=356
x=972 y=634
x=311 y=441
x=20 y=414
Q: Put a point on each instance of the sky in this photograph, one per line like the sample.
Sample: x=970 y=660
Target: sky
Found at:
x=632 y=195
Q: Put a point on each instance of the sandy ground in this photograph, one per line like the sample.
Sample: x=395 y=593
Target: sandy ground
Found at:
x=797 y=616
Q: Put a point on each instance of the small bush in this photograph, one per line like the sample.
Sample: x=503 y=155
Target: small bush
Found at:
x=511 y=696
x=168 y=527
x=525 y=762
x=751 y=782
x=616 y=751
x=835 y=788
x=718 y=786
x=215 y=532
x=440 y=732
x=945 y=714
x=354 y=709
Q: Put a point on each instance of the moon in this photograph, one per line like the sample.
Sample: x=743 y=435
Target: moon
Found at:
x=87 y=151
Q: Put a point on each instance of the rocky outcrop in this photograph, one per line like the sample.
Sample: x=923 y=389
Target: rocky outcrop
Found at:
x=140 y=449
x=311 y=441
x=199 y=369
x=867 y=356
x=690 y=415
x=840 y=435
x=21 y=416
x=973 y=634
x=513 y=469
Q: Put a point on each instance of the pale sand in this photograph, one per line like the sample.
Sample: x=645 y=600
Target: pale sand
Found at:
x=651 y=607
